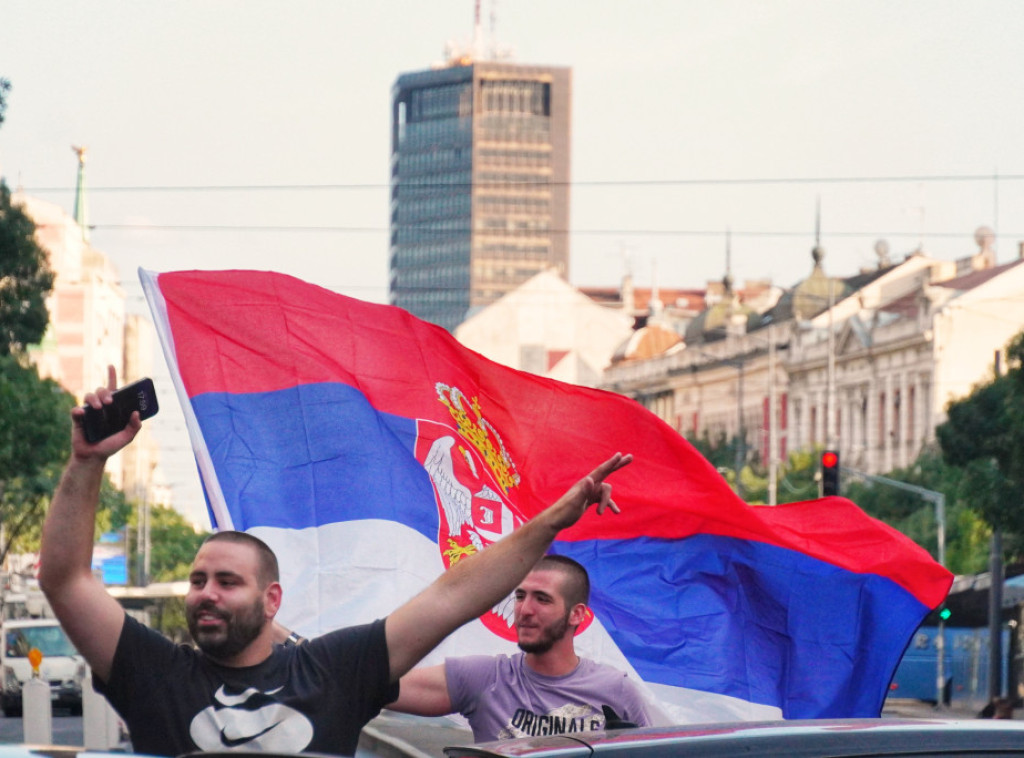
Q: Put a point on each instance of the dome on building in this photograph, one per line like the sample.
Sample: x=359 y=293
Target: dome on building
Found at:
x=647 y=342
x=718 y=320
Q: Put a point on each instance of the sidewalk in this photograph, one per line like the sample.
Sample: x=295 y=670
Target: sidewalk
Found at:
x=958 y=709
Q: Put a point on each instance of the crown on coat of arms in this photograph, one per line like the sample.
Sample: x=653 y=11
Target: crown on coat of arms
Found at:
x=479 y=432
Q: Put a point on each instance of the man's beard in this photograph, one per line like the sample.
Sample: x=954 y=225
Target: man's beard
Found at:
x=549 y=636
x=241 y=628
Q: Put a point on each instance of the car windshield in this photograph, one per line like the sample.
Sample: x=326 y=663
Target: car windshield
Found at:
x=50 y=640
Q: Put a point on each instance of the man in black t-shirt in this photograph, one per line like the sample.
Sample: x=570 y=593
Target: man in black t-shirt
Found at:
x=239 y=690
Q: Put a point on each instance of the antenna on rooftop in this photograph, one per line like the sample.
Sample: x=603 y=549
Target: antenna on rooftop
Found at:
x=479 y=48
x=492 y=53
x=81 y=215
x=478 y=43
x=728 y=251
x=817 y=221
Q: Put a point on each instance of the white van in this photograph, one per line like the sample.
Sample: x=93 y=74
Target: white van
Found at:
x=62 y=667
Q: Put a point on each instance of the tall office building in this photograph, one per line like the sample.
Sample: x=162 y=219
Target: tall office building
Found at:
x=479 y=184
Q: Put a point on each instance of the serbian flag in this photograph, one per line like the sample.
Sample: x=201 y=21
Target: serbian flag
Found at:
x=372 y=451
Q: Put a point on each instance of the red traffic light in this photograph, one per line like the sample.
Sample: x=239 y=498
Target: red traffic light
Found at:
x=829 y=472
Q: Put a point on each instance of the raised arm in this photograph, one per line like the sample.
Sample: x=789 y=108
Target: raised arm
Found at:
x=475 y=584
x=90 y=616
x=424 y=692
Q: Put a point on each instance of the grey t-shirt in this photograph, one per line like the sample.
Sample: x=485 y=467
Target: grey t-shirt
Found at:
x=502 y=697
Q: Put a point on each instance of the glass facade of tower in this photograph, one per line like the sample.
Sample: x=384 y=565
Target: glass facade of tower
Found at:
x=479 y=185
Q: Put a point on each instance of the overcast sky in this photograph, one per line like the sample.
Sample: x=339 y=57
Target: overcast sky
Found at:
x=903 y=117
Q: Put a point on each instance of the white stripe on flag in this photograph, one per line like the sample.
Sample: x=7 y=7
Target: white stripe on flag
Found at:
x=211 y=484
x=354 y=572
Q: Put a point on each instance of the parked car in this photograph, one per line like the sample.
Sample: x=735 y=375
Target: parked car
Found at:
x=62 y=667
x=793 y=739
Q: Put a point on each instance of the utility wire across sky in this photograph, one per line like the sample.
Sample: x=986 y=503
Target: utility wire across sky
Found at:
x=532 y=182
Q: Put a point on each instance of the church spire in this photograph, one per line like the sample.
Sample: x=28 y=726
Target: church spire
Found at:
x=81 y=217
x=818 y=253
x=727 y=279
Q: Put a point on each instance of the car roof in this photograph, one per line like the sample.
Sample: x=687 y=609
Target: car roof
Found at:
x=54 y=751
x=794 y=739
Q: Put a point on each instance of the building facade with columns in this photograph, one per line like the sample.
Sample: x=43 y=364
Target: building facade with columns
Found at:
x=898 y=364
x=904 y=340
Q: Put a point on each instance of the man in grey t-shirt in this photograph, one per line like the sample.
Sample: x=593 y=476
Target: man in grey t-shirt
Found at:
x=546 y=689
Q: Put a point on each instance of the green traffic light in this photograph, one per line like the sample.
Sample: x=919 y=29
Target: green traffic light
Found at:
x=945 y=613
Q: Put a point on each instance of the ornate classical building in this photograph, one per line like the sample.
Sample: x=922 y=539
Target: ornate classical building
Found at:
x=866 y=363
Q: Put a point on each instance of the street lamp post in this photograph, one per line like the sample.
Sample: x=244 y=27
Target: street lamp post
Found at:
x=740 y=434
x=773 y=431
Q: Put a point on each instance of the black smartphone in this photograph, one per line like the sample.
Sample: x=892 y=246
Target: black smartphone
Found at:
x=139 y=396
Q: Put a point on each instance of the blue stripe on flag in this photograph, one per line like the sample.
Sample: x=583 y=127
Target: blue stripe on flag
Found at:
x=749 y=620
x=334 y=455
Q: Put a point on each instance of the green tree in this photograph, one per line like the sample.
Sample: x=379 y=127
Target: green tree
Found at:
x=25 y=279
x=795 y=479
x=966 y=531
x=34 y=437
x=25 y=275
x=983 y=437
x=5 y=87
x=173 y=544
x=795 y=482
x=719 y=451
x=35 y=424
x=31 y=495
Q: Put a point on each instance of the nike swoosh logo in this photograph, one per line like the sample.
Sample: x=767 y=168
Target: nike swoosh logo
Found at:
x=229 y=742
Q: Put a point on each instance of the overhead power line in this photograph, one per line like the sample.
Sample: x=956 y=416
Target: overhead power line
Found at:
x=520 y=234
x=530 y=181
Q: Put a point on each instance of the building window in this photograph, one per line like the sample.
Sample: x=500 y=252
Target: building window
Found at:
x=896 y=415
x=509 y=96
x=911 y=411
x=881 y=419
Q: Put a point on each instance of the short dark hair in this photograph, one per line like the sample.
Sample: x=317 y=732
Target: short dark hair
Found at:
x=576 y=587
x=269 y=570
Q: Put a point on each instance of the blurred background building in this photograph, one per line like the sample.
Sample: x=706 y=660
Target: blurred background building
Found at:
x=479 y=183
x=865 y=363
x=90 y=329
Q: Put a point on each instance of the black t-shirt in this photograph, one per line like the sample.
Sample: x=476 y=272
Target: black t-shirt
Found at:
x=315 y=697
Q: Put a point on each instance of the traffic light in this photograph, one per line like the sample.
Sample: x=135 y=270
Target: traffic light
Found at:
x=945 y=613
x=830 y=473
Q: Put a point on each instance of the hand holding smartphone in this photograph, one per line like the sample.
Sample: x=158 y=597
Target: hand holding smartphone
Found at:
x=139 y=396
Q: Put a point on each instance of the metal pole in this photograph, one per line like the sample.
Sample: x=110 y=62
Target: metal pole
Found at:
x=830 y=420
x=740 y=436
x=940 y=646
x=940 y=520
x=940 y=665
x=773 y=431
x=148 y=545
x=995 y=612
